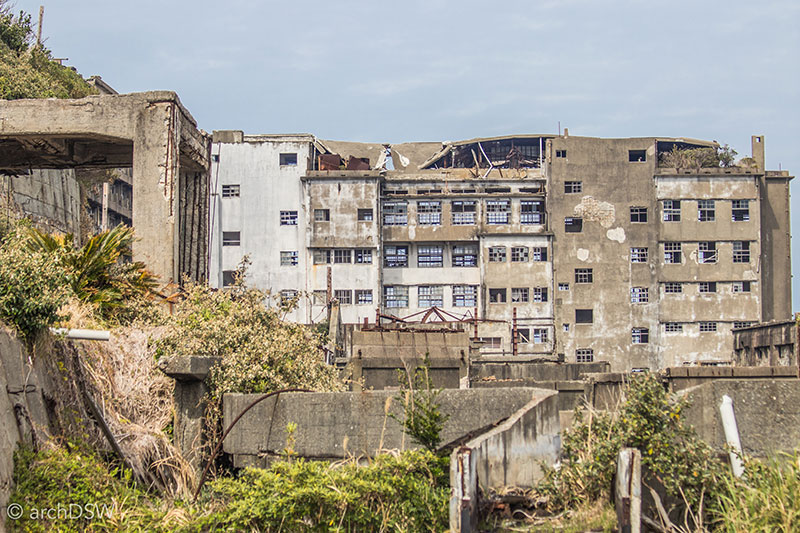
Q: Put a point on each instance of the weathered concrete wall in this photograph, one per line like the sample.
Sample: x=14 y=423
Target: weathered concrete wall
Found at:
x=337 y=425
x=527 y=368
x=571 y=394
x=49 y=197
x=767 y=413
x=771 y=344
x=679 y=378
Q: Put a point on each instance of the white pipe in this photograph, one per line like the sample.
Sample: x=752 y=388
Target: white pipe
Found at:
x=732 y=435
x=83 y=334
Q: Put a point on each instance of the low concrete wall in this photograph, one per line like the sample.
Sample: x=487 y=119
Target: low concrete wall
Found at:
x=767 y=413
x=502 y=368
x=337 y=425
x=571 y=394
x=683 y=377
x=505 y=456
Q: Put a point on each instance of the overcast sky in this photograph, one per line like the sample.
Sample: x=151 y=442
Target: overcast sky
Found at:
x=444 y=70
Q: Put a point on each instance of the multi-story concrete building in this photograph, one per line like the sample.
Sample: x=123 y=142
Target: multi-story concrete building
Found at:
x=575 y=247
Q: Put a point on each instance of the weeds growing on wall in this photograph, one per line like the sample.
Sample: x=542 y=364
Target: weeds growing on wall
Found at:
x=422 y=418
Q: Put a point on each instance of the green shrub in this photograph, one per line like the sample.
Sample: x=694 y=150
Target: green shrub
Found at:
x=422 y=419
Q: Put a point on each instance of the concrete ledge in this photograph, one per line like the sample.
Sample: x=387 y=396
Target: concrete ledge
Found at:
x=192 y=368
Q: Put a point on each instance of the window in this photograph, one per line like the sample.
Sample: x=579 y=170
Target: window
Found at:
x=584 y=355
x=215 y=158
x=637 y=156
x=497 y=296
x=538 y=254
x=345 y=296
x=640 y=295
x=565 y=327
x=740 y=286
x=706 y=327
x=673 y=327
x=573 y=225
x=520 y=295
x=465 y=295
x=230 y=191
x=287 y=296
x=638 y=214
x=231 y=238
x=395 y=213
x=228 y=278
x=429 y=213
x=571 y=187
x=740 y=211
x=539 y=335
x=430 y=256
x=524 y=335
x=531 y=211
x=322 y=215
x=673 y=287
x=672 y=253
x=584 y=316
x=494 y=343
x=519 y=254
x=497 y=254
x=289 y=258
x=708 y=287
x=363 y=296
x=563 y=286
x=395 y=296
x=365 y=215
x=705 y=210
x=319 y=297
x=707 y=252
x=322 y=257
x=540 y=294
x=561 y=154
x=363 y=256
x=342 y=256
x=465 y=255
x=672 y=211
x=638 y=255
x=640 y=336
x=498 y=211
x=395 y=257
x=430 y=296
x=740 y=325
x=463 y=212
x=288 y=218
x=289 y=160
x=583 y=275
x=741 y=251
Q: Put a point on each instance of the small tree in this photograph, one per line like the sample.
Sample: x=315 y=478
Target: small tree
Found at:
x=422 y=418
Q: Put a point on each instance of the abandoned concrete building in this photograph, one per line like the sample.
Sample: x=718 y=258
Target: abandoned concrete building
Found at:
x=554 y=245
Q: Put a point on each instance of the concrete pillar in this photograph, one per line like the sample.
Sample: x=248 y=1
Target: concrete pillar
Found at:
x=628 y=490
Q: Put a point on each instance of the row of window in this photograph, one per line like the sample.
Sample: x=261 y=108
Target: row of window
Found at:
x=634 y=156
x=463 y=212
x=530 y=188
x=463 y=255
x=524 y=336
x=396 y=296
x=707 y=252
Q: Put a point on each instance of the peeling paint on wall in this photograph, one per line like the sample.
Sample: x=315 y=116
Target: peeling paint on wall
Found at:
x=583 y=254
x=595 y=211
x=616 y=234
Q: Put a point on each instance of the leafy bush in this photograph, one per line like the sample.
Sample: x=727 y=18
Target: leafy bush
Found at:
x=422 y=418
x=15 y=30
x=697 y=158
x=405 y=493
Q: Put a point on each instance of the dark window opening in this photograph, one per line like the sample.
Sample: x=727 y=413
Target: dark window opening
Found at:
x=561 y=153
x=288 y=160
x=365 y=215
x=637 y=156
x=573 y=224
x=638 y=214
x=497 y=296
x=584 y=316
x=231 y=238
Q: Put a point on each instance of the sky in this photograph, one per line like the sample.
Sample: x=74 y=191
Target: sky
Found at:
x=435 y=70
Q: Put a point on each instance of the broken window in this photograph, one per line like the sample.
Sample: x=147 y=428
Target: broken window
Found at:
x=583 y=275
x=465 y=255
x=673 y=327
x=638 y=255
x=565 y=327
x=520 y=295
x=228 y=278
x=288 y=218
x=531 y=211
x=523 y=335
x=429 y=213
x=707 y=252
x=289 y=258
x=672 y=211
x=740 y=325
x=288 y=160
x=638 y=214
x=640 y=336
x=363 y=256
x=571 y=187
x=673 y=287
x=465 y=295
x=430 y=256
x=540 y=294
x=497 y=254
x=497 y=296
x=672 y=253
x=561 y=154
x=584 y=355
x=345 y=296
x=395 y=296
x=365 y=215
x=342 y=256
x=538 y=254
x=319 y=297
x=584 y=316
x=395 y=213
x=637 y=156
x=363 y=296
x=322 y=257
x=230 y=191
x=395 y=256
x=519 y=254
x=498 y=211
x=288 y=296
x=322 y=215
x=708 y=287
x=706 y=211
x=563 y=286
x=463 y=212
x=706 y=327
x=640 y=295
x=740 y=286
x=539 y=335
x=494 y=343
x=430 y=296
x=740 y=211
x=741 y=251
x=573 y=225
x=231 y=238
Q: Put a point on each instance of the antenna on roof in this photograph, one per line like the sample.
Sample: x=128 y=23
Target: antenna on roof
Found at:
x=39 y=31
x=559 y=127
